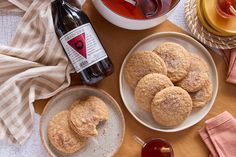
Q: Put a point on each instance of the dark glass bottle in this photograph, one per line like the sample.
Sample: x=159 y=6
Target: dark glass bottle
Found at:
x=80 y=42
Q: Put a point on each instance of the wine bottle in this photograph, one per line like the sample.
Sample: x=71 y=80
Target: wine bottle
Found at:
x=80 y=42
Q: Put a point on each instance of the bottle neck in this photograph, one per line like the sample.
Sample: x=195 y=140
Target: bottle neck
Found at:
x=67 y=17
x=60 y=1
x=71 y=4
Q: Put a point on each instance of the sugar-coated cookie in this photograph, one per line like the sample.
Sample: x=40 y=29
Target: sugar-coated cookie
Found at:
x=141 y=64
x=202 y=97
x=197 y=75
x=176 y=59
x=147 y=88
x=85 y=115
x=61 y=136
x=171 y=106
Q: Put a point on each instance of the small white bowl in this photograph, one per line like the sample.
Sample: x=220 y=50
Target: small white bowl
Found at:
x=110 y=134
x=129 y=23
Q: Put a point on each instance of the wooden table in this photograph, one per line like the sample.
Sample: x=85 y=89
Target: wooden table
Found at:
x=118 y=42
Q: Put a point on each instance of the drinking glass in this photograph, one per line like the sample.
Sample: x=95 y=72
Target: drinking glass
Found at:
x=155 y=147
x=226 y=8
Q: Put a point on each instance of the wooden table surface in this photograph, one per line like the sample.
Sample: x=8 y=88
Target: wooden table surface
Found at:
x=118 y=42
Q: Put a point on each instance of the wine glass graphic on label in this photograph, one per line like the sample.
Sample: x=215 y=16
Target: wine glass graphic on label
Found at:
x=79 y=45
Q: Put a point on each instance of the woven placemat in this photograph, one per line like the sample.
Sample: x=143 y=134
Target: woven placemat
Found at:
x=198 y=30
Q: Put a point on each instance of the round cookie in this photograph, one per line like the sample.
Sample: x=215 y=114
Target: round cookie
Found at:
x=176 y=58
x=147 y=88
x=141 y=64
x=85 y=115
x=202 y=97
x=171 y=106
x=61 y=136
x=197 y=75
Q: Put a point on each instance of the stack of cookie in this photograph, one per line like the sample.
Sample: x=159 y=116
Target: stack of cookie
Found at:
x=69 y=130
x=169 y=82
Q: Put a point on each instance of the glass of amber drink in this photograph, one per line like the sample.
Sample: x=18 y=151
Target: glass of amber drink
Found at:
x=226 y=8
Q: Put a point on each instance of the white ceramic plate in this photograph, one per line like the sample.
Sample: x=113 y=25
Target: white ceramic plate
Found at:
x=150 y=43
x=110 y=133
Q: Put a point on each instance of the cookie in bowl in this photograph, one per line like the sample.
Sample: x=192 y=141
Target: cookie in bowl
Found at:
x=85 y=114
x=61 y=136
x=110 y=132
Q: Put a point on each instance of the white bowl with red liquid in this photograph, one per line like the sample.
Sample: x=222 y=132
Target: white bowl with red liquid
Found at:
x=132 y=23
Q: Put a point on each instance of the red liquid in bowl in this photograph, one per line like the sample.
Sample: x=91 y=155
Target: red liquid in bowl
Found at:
x=153 y=149
x=128 y=10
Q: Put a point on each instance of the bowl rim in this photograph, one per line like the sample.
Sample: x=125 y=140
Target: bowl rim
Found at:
x=117 y=106
x=148 y=19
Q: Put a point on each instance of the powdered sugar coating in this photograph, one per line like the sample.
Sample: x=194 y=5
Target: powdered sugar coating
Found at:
x=171 y=106
x=147 y=88
x=61 y=136
x=197 y=75
x=176 y=59
x=141 y=64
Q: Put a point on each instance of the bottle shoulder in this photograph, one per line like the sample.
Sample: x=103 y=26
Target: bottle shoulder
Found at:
x=67 y=18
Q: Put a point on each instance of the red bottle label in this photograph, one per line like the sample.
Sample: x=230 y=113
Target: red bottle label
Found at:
x=83 y=47
x=78 y=43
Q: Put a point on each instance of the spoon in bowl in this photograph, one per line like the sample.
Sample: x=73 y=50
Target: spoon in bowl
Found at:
x=233 y=10
x=148 y=7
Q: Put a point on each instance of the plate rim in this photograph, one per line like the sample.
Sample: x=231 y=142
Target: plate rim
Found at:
x=77 y=87
x=185 y=36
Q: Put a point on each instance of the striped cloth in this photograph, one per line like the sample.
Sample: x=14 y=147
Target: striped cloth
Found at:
x=33 y=66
